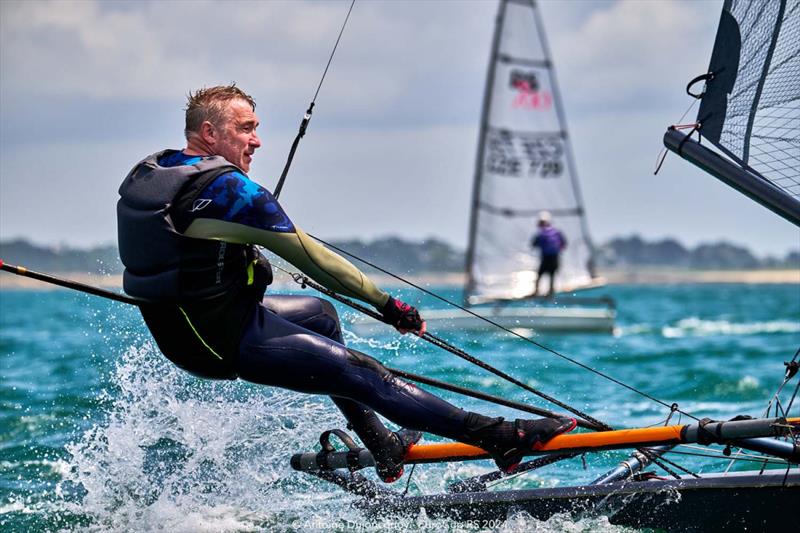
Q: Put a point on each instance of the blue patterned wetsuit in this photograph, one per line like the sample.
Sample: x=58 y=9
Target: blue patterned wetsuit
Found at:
x=295 y=342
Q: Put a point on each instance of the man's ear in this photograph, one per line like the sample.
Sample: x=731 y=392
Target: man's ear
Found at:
x=208 y=133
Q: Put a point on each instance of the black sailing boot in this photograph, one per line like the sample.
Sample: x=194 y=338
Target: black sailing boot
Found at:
x=390 y=455
x=388 y=448
x=509 y=442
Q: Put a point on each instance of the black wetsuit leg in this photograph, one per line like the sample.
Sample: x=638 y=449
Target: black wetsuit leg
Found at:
x=294 y=344
x=548 y=265
x=320 y=316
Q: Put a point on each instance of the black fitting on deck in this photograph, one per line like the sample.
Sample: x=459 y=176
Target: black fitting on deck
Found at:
x=791 y=369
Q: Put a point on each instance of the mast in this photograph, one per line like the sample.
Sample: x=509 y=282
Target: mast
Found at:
x=476 y=184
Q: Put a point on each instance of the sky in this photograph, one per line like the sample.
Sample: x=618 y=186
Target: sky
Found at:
x=89 y=88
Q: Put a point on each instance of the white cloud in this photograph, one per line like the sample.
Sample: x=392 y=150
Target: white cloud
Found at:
x=635 y=53
x=150 y=50
x=78 y=48
x=145 y=50
x=396 y=122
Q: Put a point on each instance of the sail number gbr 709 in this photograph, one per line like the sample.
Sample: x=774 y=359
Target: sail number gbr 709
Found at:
x=517 y=155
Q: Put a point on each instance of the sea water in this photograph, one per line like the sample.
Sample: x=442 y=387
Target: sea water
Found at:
x=98 y=432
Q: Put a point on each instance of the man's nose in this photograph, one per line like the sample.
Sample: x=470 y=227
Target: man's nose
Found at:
x=255 y=142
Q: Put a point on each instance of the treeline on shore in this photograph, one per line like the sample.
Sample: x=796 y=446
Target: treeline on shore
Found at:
x=635 y=251
x=433 y=255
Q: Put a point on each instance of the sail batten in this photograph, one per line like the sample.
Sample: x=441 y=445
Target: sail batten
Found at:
x=528 y=212
x=531 y=133
x=543 y=63
x=524 y=166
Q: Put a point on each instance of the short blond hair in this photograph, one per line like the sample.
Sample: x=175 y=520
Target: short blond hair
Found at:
x=210 y=104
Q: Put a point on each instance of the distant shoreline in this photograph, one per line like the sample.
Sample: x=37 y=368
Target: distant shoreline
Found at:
x=653 y=276
x=644 y=276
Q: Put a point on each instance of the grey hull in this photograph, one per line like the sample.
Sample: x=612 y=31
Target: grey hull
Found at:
x=715 y=502
x=536 y=319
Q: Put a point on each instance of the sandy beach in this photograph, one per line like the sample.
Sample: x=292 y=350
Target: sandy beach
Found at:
x=671 y=276
x=645 y=276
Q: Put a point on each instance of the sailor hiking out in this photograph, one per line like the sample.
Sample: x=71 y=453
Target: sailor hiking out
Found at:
x=188 y=223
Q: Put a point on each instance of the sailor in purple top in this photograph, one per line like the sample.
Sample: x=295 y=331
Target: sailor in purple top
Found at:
x=550 y=242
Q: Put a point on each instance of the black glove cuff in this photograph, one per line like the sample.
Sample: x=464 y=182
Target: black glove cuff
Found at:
x=401 y=315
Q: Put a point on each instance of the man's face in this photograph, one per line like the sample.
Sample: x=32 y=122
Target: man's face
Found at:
x=237 y=139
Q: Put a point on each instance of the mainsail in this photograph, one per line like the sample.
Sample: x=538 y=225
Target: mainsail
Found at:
x=750 y=108
x=524 y=166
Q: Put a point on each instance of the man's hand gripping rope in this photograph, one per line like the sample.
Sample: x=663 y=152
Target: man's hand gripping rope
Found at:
x=403 y=317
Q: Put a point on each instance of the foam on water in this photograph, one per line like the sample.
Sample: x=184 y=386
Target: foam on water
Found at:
x=352 y=339
x=179 y=453
x=696 y=327
x=161 y=450
x=176 y=453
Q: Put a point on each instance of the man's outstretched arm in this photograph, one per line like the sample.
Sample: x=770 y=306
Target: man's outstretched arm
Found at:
x=240 y=211
x=322 y=265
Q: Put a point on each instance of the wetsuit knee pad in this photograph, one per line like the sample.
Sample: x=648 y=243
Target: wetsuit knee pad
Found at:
x=365 y=361
x=329 y=310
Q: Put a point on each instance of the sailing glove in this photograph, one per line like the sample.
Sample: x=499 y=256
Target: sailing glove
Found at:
x=402 y=316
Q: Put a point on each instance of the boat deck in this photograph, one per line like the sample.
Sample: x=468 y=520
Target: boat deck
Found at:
x=531 y=319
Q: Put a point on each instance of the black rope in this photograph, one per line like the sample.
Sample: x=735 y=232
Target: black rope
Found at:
x=588 y=421
x=672 y=409
x=511 y=332
x=304 y=282
x=791 y=370
x=660 y=460
x=307 y=117
x=457 y=351
x=794 y=395
x=687 y=137
x=732 y=459
x=341 y=31
x=483 y=396
x=662 y=155
x=660 y=160
x=74 y=285
x=408 y=481
x=478 y=483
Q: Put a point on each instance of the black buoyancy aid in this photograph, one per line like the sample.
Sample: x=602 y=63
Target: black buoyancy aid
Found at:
x=203 y=291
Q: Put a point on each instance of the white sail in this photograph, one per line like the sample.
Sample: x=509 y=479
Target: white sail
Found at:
x=524 y=166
